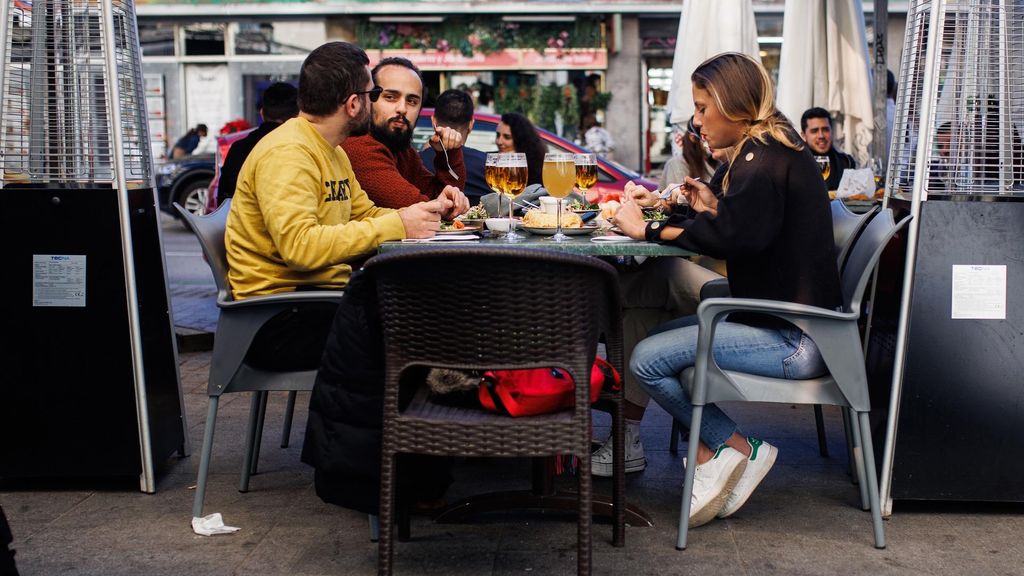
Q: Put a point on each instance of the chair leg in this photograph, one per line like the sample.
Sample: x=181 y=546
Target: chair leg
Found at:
x=858 y=461
x=586 y=516
x=374 y=527
x=691 y=467
x=259 y=432
x=385 y=545
x=250 y=441
x=848 y=432
x=673 y=443
x=618 y=474
x=819 y=423
x=204 y=458
x=287 y=431
x=872 y=479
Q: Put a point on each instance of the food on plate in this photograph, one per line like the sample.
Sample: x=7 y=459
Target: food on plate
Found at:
x=651 y=214
x=538 y=219
x=475 y=213
x=609 y=208
x=454 y=225
x=579 y=206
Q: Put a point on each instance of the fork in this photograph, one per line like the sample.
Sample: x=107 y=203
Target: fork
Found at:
x=448 y=162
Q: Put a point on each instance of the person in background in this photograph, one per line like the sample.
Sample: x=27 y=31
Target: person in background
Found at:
x=278 y=104
x=890 y=105
x=516 y=133
x=385 y=163
x=816 y=129
x=772 y=224
x=188 y=143
x=484 y=99
x=596 y=138
x=693 y=162
x=454 y=108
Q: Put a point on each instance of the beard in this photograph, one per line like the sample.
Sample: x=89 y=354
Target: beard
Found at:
x=360 y=126
x=394 y=139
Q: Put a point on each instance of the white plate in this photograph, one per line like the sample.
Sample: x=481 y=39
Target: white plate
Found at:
x=566 y=231
x=466 y=230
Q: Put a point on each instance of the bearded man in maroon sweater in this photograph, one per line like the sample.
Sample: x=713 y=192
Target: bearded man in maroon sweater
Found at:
x=385 y=164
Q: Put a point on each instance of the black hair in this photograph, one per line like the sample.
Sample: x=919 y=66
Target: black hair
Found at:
x=525 y=139
x=486 y=94
x=280 y=102
x=329 y=75
x=398 y=61
x=890 y=84
x=815 y=112
x=454 y=108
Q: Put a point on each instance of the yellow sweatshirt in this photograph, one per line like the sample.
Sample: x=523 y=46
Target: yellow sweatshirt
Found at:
x=298 y=215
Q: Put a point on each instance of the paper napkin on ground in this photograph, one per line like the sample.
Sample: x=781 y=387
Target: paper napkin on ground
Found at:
x=211 y=525
x=445 y=238
x=861 y=181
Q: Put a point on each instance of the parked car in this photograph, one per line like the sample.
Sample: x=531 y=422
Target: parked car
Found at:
x=611 y=176
x=185 y=181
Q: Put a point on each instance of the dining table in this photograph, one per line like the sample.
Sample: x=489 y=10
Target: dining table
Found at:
x=543 y=495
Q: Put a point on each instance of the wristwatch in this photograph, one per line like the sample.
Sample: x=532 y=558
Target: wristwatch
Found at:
x=652 y=233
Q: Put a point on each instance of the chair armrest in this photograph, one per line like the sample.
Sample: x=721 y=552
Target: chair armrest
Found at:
x=710 y=310
x=717 y=288
x=327 y=296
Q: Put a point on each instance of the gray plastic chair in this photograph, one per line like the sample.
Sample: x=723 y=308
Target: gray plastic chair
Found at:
x=838 y=338
x=237 y=325
x=845 y=226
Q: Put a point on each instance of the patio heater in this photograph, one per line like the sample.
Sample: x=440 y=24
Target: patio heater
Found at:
x=90 y=385
x=957 y=164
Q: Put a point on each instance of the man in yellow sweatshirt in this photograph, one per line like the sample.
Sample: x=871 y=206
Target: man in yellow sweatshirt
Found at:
x=299 y=218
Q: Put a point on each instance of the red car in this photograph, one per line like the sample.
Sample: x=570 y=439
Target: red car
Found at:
x=611 y=176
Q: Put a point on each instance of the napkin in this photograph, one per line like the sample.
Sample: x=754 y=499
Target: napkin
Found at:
x=611 y=239
x=445 y=238
x=211 y=525
x=859 y=181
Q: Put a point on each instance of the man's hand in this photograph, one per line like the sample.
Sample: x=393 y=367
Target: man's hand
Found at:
x=630 y=219
x=423 y=219
x=451 y=138
x=460 y=203
x=700 y=196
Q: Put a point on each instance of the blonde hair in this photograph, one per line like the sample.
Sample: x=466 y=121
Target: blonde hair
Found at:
x=742 y=91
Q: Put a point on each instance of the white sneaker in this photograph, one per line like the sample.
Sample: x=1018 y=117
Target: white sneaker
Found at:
x=713 y=482
x=601 y=459
x=762 y=457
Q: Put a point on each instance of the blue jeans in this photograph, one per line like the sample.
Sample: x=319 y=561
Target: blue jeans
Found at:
x=659 y=359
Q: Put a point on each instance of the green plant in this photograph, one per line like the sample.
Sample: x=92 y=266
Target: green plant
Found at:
x=601 y=100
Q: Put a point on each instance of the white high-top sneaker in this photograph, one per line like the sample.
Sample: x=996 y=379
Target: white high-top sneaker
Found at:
x=601 y=459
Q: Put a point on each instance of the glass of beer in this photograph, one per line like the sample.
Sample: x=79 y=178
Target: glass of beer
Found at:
x=491 y=172
x=824 y=165
x=559 y=176
x=512 y=175
x=586 y=172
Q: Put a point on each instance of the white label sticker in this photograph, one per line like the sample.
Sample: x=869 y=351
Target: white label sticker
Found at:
x=979 y=292
x=58 y=280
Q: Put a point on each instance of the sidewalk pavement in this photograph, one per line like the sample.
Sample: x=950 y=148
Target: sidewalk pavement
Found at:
x=804 y=518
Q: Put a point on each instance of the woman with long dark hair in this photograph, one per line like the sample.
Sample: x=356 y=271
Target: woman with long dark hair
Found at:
x=773 y=227
x=516 y=133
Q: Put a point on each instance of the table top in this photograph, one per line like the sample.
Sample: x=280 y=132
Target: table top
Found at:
x=577 y=245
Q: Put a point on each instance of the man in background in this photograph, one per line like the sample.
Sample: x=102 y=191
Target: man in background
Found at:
x=279 y=103
x=816 y=129
x=385 y=163
x=454 y=109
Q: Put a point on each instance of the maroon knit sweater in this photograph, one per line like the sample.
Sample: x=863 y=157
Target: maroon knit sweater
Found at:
x=399 y=180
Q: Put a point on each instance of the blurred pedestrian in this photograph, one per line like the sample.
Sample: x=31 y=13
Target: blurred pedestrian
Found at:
x=188 y=143
x=596 y=138
x=278 y=104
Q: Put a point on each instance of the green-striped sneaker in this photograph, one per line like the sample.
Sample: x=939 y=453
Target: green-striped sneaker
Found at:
x=713 y=482
x=762 y=457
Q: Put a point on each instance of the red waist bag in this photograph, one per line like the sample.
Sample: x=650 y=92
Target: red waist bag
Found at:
x=540 y=390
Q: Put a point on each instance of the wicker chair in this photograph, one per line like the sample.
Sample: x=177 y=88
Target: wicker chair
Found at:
x=481 y=307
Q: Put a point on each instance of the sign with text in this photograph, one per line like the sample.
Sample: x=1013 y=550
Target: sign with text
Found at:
x=510 y=59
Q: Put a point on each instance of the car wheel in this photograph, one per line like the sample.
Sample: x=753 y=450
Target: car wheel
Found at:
x=193 y=196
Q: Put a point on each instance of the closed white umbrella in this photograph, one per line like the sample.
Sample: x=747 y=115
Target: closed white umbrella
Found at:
x=824 y=62
x=708 y=28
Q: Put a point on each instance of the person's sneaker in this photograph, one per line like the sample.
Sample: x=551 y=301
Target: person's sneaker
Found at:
x=762 y=457
x=601 y=459
x=713 y=482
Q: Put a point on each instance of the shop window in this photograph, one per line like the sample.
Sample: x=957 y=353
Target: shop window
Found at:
x=297 y=38
x=204 y=39
x=156 y=39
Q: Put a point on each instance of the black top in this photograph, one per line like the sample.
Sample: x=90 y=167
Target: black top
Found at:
x=838 y=162
x=475 y=186
x=773 y=227
x=237 y=154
